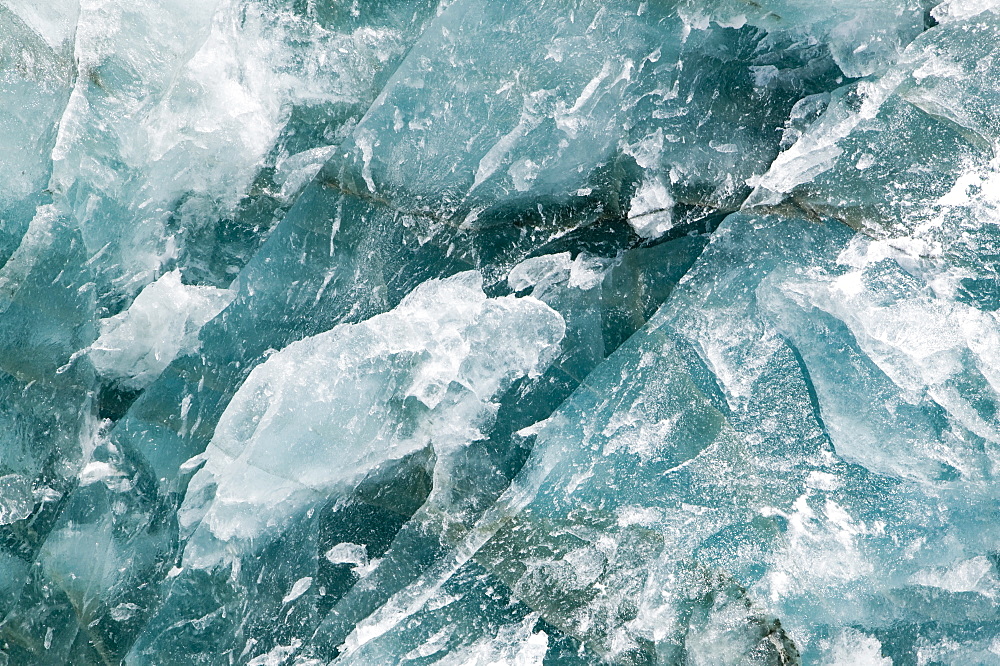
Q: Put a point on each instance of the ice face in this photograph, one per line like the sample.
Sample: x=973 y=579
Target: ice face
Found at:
x=35 y=86
x=632 y=332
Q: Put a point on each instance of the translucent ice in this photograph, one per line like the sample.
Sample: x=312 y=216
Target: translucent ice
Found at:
x=421 y=375
x=523 y=332
x=162 y=323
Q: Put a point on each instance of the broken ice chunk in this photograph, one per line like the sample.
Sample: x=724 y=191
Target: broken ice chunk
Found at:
x=54 y=20
x=421 y=375
x=162 y=323
x=35 y=83
x=348 y=553
x=177 y=107
x=926 y=364
x=886 y=152
x=16 y=498
x=650 y=213
x=298 y=589
x=529 y=118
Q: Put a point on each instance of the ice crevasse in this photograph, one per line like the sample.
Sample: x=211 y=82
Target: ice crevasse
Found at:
x=520 y=332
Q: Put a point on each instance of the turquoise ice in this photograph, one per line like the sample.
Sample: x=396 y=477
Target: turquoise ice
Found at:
x=521 y=332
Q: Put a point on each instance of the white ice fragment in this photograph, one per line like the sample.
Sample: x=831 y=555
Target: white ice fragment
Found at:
x=853 y=648
x=570 y=120
x=540 y=271
x=96 y=471
x=651 y=210
x=192 y=463
x=16 y=498
x=315 y=417
x=295 y=172
x=586 y=272
x=54 y=20
x=513 y=645
x=866 y=160
x=211 y=85
x=523 y=173
x=162 y=323
x=46 y=494
x=124 y=611
x=277 y=656
x=500 y=151
x=298 y=589
x=817 y=150
x=956 y=10
x=723 y=147
x=822 y=549
x=823 y=481
x=347 y=553
x=542 y=274
x=972 y=575
x=365 y=141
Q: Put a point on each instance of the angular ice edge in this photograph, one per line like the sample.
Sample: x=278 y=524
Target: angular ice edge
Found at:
x=624 y=480
x=54 y=20
x=563 y=114
x=855 y=549
x=178 y=106
x=642 y=515
x=162 y=323
x=602 y=301
x=927 y=363
x=886 y=151
x=46 y=402
x=596 y=538
x=317 y=415
x=864 y=36
x=35 y=82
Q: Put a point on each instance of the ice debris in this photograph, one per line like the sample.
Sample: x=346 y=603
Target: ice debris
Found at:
x=521 y=332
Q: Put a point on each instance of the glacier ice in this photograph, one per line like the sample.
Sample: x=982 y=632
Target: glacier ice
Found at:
x=162 y=323
x=523 y=332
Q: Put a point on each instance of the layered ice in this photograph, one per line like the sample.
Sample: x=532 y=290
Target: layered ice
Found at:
x=499 y=332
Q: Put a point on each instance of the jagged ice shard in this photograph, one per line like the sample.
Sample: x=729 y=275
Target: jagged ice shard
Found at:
x=499 y=332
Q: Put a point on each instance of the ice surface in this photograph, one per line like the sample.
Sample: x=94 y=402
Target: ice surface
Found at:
x=522 y=332
x=162 y=323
